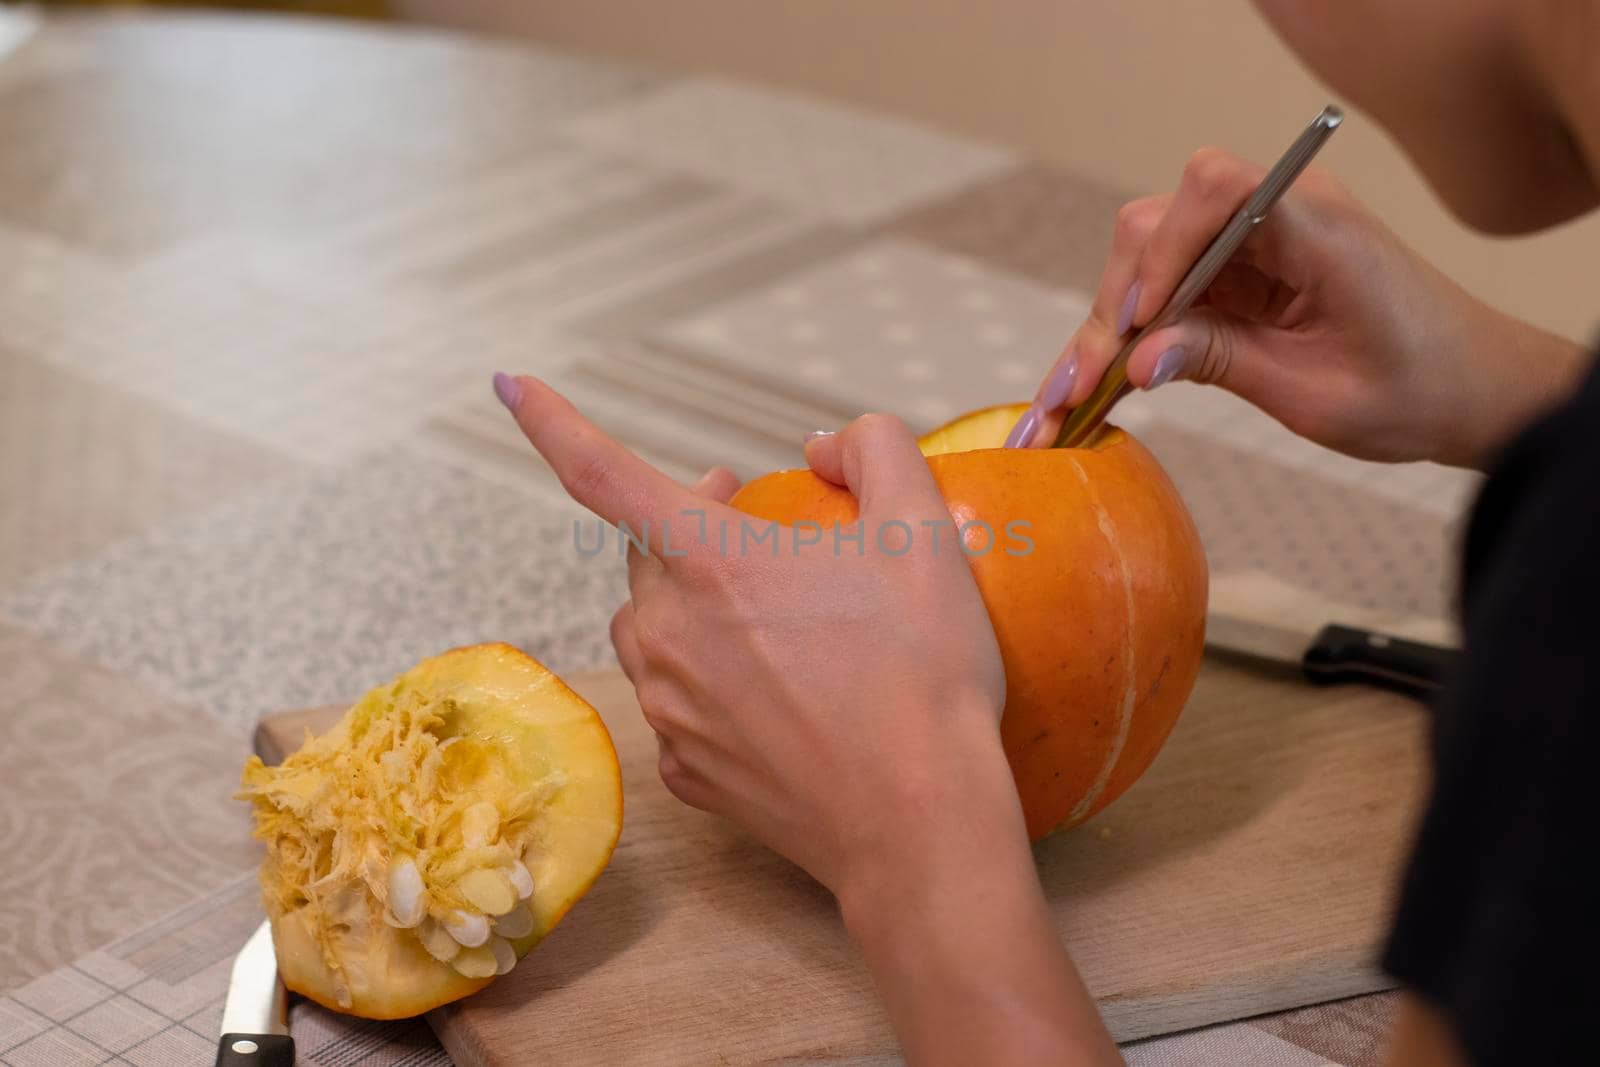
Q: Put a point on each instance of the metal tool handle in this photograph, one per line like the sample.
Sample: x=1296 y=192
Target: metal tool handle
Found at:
x=1084 y=419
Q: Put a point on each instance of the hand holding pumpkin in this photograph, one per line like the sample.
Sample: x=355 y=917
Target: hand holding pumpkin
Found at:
x=842 y=708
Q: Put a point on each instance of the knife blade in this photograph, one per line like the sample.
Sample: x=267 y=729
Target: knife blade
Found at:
x=255 y=1017
x=1337 y=653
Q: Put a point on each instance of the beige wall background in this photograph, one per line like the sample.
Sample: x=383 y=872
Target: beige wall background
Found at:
x=1118 y=90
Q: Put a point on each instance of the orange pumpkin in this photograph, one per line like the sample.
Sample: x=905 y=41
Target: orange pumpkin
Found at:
x=1095 y=582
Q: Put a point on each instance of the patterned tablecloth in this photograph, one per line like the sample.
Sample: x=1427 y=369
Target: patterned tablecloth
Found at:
x=254 y=277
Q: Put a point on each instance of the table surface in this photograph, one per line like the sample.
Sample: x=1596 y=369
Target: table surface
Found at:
x=254 y=276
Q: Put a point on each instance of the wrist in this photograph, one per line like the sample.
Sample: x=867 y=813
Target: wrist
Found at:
x=963 y=948
x=902 y=907
x=1519 y=373
x=960 y=839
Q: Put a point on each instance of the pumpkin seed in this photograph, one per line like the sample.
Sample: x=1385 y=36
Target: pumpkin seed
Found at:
x=406 y=905
x=480 y=824
x=476 y=962
x=521 y=881
x=437 y=940
x=488 y=890
x=505 y=957
x=518 y=922
x=468 y=929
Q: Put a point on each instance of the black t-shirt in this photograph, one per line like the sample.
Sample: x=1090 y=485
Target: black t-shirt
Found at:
x=1498 y=913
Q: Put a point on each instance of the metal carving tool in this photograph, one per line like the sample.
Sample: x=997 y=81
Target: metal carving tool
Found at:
x=1086 y=418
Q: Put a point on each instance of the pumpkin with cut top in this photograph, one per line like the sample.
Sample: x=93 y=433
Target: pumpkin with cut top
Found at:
x=1094 y=579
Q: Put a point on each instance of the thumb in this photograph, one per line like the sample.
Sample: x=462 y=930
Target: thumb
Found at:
x=878 y=460
x=1205 y=346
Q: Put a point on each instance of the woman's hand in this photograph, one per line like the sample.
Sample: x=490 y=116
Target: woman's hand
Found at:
x=844 y=708
x=841 y=707
x=1324 y=319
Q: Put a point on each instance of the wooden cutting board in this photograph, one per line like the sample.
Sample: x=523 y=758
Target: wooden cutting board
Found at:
x=1250 y=870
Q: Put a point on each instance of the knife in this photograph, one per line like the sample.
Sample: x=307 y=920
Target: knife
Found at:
x=1338 y=653
x=255 y=1017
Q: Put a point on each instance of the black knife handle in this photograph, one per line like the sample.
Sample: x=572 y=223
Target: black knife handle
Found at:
x=1348 y=654
x=255 y=1050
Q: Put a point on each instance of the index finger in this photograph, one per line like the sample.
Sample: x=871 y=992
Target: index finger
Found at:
x=602 y=474
x=1214 y=186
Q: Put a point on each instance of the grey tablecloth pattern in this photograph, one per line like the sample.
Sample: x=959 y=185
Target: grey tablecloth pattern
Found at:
x=250 y=463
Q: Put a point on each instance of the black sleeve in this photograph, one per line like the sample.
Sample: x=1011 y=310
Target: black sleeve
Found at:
x=1498 y=912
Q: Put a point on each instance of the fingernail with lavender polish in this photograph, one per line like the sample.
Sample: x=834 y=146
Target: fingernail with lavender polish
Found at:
x=1023 y=431
x=1168 y=365
x=508 y=389
x=1130 y=304
x=1059 y=385
x=814 y=434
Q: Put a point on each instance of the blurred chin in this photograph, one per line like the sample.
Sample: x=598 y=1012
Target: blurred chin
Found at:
x=1435 y=74
x=1505 y=190
x=1495 y=211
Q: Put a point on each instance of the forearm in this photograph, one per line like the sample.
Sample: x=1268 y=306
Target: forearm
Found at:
x=964 y=952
